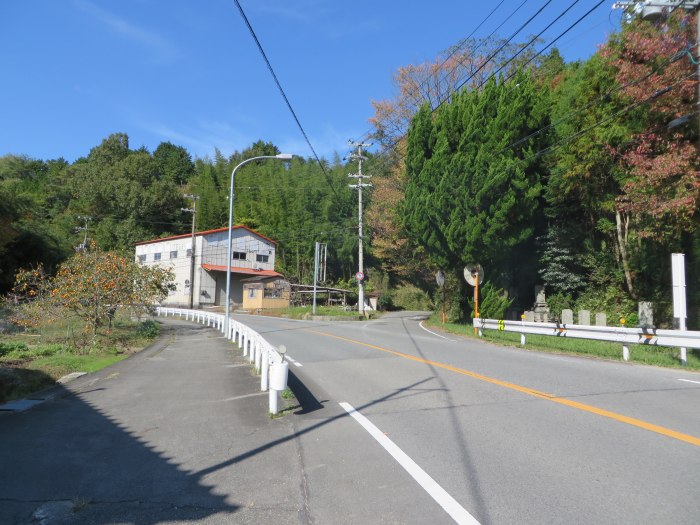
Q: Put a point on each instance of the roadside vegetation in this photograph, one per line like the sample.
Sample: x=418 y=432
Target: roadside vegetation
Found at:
x=649 y=355
x=78 y=320
x=31 y=360
x=305 y=312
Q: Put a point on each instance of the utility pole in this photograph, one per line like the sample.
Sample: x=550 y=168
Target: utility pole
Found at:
x=361 y=271
x=83 y=247
x=319 y=268
x=193 y=211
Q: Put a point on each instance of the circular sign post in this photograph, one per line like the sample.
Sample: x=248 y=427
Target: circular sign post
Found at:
x=474 y=275
x=359 y=276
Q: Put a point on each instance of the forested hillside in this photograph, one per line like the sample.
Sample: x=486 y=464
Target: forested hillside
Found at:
x=580 y=176
x=131 y=195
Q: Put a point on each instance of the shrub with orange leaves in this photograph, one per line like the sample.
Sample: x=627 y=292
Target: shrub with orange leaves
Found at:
x=91 y=284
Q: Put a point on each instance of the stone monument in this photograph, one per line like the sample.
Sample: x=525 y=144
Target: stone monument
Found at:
x=646 y=314
x=541 y=310
x=567 y=316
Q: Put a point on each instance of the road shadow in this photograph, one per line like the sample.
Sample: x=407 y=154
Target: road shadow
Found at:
x=307 y=400
x=65 y=461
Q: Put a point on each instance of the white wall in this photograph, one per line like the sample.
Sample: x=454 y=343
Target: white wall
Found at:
x=210 y=249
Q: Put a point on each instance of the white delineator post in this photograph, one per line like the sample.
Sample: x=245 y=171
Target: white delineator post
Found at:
x=679 y=302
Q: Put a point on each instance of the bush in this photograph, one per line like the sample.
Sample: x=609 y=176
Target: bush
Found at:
x=149 y=329
x=6 y=348
x=20 y=351
x=493 y=302
x=558 y=302
x=614 y=302
x=409 y=297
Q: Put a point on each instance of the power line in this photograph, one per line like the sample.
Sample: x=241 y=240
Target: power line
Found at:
x=676 y=56
x=367 y=134
x=534 y=38
x=624 y=110
x=284 y=95
x=393 y=145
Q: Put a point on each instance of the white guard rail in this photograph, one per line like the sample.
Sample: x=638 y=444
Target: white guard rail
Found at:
x=625 y=336
x=269 y=363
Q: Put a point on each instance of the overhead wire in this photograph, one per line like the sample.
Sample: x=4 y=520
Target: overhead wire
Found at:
x=479 y=68
x=495 y=53
x=668 y=60
x=281 y=90
x=610 y=118
x=367 y=134
x=395 y=143
x=534 y=38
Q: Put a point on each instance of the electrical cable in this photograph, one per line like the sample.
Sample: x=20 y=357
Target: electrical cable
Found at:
x=602 y=97
x=368 y=134
x=284 y=95
x=558 y=37
x=483 y=64
x=540 y=34
x=658 y=93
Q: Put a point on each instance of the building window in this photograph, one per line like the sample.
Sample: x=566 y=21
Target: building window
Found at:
x=262 y=258
x=252 y=292
x=189 y=252
x=156 y=256
x=173 y=254
x=142 y=258
x=239 y=256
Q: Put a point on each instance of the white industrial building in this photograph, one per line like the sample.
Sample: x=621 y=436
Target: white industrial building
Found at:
x=253 y=255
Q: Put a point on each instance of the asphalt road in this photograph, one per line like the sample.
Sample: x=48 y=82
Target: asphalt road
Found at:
x=511 y=436
x=396 y=425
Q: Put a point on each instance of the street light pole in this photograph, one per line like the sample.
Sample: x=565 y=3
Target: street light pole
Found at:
x=281 y=156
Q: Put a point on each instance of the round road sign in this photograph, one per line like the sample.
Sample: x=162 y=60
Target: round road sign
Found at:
x=359 y=276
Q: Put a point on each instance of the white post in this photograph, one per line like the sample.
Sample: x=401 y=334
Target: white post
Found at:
x=679 y=301
x=258 y=354
x=313 y=308
x=625 y=353
x=274 y=401
x=265 y=370
x=522 y=330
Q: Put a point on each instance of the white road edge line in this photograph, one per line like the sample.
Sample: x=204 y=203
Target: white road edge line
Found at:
x=291 y=360
x=440 y=495
x=689 y=381
x=431 y=332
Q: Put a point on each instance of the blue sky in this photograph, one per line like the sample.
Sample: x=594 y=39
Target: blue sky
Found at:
x=188 y=72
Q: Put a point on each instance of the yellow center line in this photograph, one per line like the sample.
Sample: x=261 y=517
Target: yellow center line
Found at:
x=529 y=391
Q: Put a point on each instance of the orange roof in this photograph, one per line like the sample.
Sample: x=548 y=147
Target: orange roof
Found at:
x=207 y=232
x=245 y=271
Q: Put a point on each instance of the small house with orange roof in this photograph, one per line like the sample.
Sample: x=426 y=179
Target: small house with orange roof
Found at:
x=199 y=264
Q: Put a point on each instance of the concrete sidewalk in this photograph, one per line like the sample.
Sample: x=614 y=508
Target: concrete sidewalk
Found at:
x=178 y=433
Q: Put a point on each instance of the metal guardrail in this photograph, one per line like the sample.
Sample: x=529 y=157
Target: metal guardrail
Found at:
x=626 y=336
x=268 y=362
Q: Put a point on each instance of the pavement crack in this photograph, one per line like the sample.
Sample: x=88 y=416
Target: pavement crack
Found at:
x=305 y=515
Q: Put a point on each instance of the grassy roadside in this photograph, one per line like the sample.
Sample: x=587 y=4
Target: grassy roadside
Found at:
x=31 y=361
x=650 y=355
x=305 y=312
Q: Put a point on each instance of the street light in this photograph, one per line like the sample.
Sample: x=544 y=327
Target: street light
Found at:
x=281 y=156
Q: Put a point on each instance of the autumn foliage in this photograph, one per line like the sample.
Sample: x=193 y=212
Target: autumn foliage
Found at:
x=90 y=285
